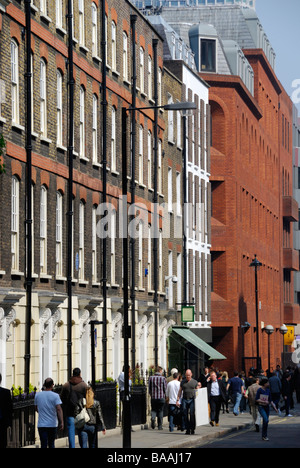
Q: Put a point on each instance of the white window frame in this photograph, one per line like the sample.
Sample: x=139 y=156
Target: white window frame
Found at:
x=178 y=194
x=59 y=108
x=95 y=129
x=150 y=90
x=159 y=168
x=94 y=244
x=113 y=139
x=149 y=159
x=15 y=223
x=81 y=22
x=125 y=56
x=43 y=229
x=43 y=98
x=43 y=7
x=141 y=154
x=170 y=273
x=170 y=190
x=82 y=122
x=142 y=70
x=170 y=121
x=140 y=256
x=81 y=241
x=59 y=13
x=94 y=30
x=14 y=61
x=159 y=86
x=113 y=247
x=113 y=46
x=59 y=235
x=179 y=277
x=149 y=259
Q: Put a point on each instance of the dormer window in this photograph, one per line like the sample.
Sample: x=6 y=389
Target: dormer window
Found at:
x=208 y=55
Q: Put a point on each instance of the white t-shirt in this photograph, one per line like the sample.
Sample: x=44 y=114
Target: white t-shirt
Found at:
x=46 y=403
x=172 y=391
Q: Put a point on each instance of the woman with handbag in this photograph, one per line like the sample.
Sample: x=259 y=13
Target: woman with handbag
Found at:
x=89 y=420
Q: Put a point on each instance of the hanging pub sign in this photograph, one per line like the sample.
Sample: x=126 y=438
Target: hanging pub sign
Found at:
x=187 y=314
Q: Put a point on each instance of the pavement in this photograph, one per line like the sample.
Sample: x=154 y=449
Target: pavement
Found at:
x=145 y=437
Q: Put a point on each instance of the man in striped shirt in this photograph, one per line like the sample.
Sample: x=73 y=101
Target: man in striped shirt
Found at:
x=157 y=392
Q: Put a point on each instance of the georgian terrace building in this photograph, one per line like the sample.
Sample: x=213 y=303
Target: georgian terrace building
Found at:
x=117 y=60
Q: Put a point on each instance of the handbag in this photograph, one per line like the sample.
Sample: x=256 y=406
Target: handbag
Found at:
x=82 y=417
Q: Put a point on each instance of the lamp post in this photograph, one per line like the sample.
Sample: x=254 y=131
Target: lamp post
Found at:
x=283 y=330
x=269 y=330
x=179 y=106
x=256 y=265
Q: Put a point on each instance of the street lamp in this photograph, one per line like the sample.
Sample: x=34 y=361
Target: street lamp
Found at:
x=256 y=265
x=178 y=106
x=269 y=330
x=283 y=330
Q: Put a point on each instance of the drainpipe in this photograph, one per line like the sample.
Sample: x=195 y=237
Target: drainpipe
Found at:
x=104 y=166
x=71 y=84
x=155 y=201
x=133 y=19
x=28 y=221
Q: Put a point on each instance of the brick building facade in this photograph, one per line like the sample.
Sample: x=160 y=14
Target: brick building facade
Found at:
x=50 y=124
x=251 y=177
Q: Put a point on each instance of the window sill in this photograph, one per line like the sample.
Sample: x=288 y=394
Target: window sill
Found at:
x=2 y=119
x=18 y=127
x=116 y=173
x=115 y=72
x=115 y=286
x=45 y=140
x=127 y=83
x=45 y=276
x=83 y=48
x=96 y=284
x=60 y=278
x=17 y=273
x=2 y=272
x=96 y=164
x=83 y=282
x=61 y=148
x=83 y=158
x=61 y=30
x=45 y=18
x=96 y=58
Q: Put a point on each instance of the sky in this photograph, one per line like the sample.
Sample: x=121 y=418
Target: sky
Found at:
x=280 y=21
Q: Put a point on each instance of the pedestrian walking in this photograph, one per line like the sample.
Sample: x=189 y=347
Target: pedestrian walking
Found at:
x=236 y=388
x=71 y=393
x=224 y=404
x=297 y=382
x=6 y=410
x=251 y=396
x=286 y=392
x=216 y=393
x=171 y=396
x=157 y=392
x=188 y=392
x=275 y=389
x=50 y=415
x=173 y=371
x=88 y=434
x=203 y=378
x=263 y=399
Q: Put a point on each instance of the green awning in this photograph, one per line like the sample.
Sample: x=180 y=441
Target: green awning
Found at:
x=189 y=336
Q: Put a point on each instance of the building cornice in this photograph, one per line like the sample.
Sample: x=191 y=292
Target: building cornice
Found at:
x=259 y=55
x=233 y=81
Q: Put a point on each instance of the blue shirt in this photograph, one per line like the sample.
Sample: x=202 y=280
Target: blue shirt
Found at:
x=46 y=403
x=263 y=394
x=236 y=385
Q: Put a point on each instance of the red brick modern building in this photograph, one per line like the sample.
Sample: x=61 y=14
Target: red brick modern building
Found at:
x=251 y=177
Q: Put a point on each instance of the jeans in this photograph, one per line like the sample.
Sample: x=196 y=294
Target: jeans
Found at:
x=47 y=436
x=236 y=401
x=157 y=410
x=264 y=411
x=171 y=417
x=87 y=436
x=71 y=431
x=188 y=409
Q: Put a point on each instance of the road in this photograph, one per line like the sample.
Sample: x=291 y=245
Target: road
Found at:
x=282 y=433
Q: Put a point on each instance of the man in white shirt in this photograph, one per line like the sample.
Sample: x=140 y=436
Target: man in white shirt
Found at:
x=48 y=405
x=216 y=393
x=171 y=394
